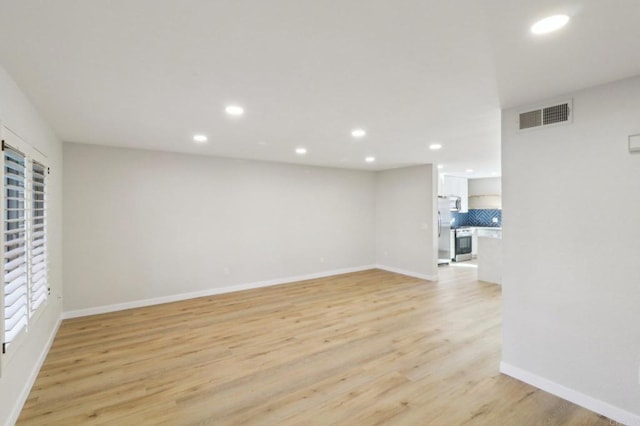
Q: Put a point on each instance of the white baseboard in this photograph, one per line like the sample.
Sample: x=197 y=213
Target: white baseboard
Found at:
x=406 y=272
x=588 y=402
x=26 y=388
x=209 y=292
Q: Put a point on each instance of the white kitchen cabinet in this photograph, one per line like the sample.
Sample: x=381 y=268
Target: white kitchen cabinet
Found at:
x=485 y=193
x=490 y=257
x=459 y=187
x=441 y=186
x=493 y=202
x=474 y=242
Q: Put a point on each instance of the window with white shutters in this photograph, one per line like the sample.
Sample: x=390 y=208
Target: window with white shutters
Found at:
x=37 y=237
x=24 y=239
x=16 y=287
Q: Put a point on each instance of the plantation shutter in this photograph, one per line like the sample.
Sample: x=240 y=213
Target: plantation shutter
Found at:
x=37 y=237
x=16 y=300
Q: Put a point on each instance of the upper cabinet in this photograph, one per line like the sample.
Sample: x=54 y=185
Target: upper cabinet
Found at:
x=481 y=193
x=490 y=201
x=485 y=193
x=458 y=186
x=441 y=188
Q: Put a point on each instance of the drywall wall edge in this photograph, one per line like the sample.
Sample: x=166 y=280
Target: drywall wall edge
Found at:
x=209 y=292
x=586 y=401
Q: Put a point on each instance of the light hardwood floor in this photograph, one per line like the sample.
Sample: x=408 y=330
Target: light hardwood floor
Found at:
x=363 y=348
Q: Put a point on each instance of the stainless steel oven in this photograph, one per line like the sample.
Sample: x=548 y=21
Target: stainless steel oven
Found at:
x=463 y=241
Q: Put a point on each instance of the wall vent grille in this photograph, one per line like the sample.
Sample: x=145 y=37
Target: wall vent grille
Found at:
x=546 y=116
x=531 y=119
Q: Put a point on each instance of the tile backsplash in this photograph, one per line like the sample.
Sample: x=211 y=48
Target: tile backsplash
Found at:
x=477 y=217
x=459 y=219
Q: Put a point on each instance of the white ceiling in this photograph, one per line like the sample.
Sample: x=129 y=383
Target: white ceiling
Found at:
x=151 y=73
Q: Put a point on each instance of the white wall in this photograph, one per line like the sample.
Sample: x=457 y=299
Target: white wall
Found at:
x=17 y=113
x=571 y=292
x=485 y=186
x=146 y=224
x=406 y=235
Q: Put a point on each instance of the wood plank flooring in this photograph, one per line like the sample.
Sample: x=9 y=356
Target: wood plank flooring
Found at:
x=365 y=348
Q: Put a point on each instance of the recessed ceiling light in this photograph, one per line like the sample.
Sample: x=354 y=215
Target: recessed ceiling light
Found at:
x=234 y=110
x=469 y=170
x=435 y=146
x=370 y=159
x=200 y=138
x=301 y=151
x=440 y=166
x=358 y=133
x=550 y=24
x=494 y=173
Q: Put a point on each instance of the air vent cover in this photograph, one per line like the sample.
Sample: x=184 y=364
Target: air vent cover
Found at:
x=555 y=114
x=531 y=119
x=546 y=116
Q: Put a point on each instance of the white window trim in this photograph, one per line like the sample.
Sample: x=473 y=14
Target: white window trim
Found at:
x=32 y=154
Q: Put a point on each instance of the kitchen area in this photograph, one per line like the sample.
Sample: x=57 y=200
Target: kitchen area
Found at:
x=470 y=224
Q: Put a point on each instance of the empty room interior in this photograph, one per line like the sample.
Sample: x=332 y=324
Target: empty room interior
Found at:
x=305 y=212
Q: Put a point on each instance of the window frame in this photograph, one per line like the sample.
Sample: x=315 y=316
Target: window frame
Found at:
x=31 y=155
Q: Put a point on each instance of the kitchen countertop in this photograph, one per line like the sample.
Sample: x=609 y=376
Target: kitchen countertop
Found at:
x=495 y=233
x=497 y=228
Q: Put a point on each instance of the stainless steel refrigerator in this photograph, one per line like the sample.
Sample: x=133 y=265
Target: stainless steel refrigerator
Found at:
x=444 y=230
